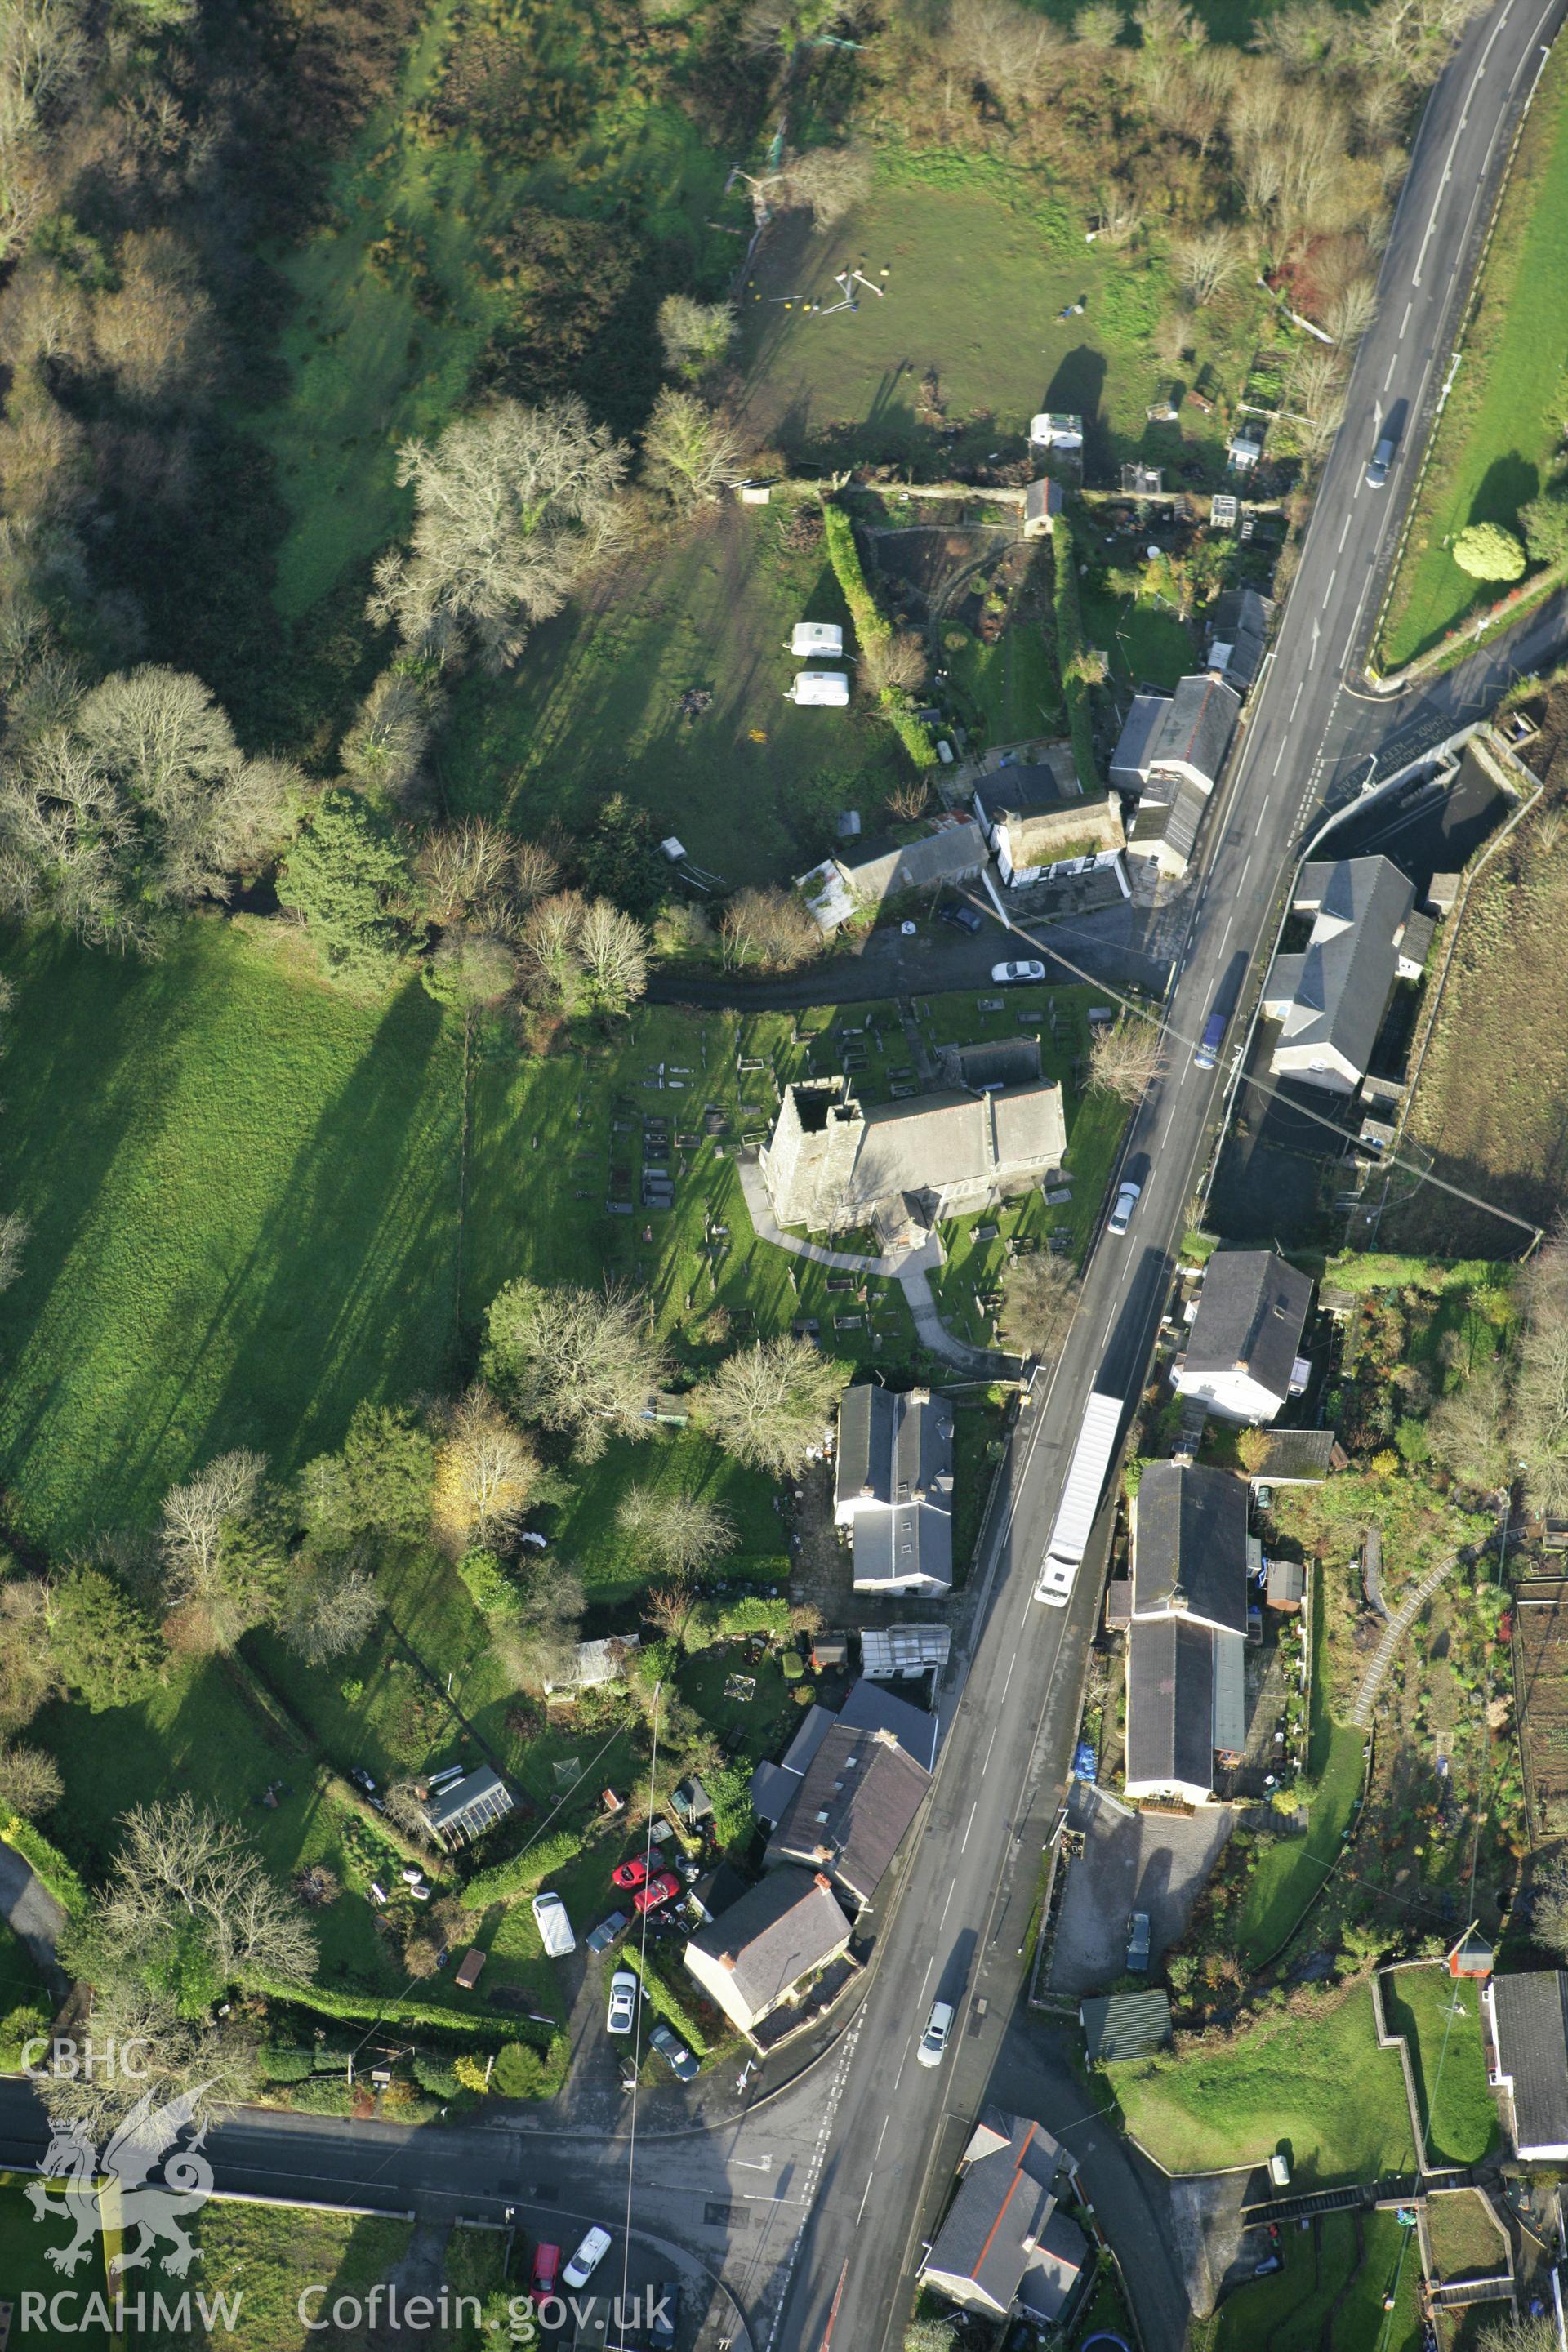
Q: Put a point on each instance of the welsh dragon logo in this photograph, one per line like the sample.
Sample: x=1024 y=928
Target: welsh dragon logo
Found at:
x=146 y=2143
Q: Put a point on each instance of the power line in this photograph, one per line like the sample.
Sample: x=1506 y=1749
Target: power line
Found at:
x=1264 y=1085
x=642 y=1996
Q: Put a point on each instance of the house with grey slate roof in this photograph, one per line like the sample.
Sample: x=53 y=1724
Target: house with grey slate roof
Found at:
x=1331 y=997
x=1194 y=733
x=846 y=884
x=1243 y=1353
x=1004 y=2244
x=757 y=1955
x=856 y=1802
x=1129 y=761
x=1172 y=752
x=893 y=1489
x=1238 y=635
x=1527 y=2060
x=1186 y=1643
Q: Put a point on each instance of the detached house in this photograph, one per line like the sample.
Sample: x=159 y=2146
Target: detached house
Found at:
x=833 y=1161
x=894 y=1489
x=847 y=1819
x=1003 y=2243
x=1243 y=1355
x=1187 y=1640
x=1331 y=998
x=753 y=1957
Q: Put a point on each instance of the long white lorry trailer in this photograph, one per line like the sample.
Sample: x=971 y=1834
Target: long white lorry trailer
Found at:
x=1091 y=1459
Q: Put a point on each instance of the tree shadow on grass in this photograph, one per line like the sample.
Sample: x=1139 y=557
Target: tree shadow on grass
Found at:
x=1508 y=484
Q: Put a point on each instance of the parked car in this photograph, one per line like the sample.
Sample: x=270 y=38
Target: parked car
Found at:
x=962 y=917
x=546 y=2269
x=665 y=2321
x=1127 y=1199
x=1138 y=1941
x=1382 y=459
x=1002 y=972
x=623 y=2010
x=586 y=2258
x=659 y=1888
x=632 y=1872
x=934 y=2040
x=601 y=1937
x=554 y=1927
x=674 y=2053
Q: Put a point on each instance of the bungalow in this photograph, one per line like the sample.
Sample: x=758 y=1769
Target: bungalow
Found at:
x=1186 y=1645
x=1331 y=997
x=1003 y=2243
x=1243 y=1354
x=1527 y=2052
x=757 y=1955
x=894 y=1489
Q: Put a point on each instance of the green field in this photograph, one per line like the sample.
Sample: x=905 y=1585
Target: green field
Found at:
x=1319 y=2088
x=242 y=1189
x=265 y=2257
x=971 y=243
x=1501 y=430
x=26 y=2269
x=1331 y=2291
x=1441 y=2021
x=752 y=785
x=1291 y=1869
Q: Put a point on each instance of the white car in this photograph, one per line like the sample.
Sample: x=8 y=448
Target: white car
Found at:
x=1126 y=1202
x=1002 y=972
x=586 y=2258
x=622 y=2013
x=934 y=2040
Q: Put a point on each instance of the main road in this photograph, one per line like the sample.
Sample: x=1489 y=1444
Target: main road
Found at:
x=961 y=1920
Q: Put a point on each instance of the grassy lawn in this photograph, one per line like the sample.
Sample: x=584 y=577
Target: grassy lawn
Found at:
x=1442 y=2025
x=672 y=1461
x=242 y=1191
x=1320 y=2088
x=412 y=281
x=1466 y=2240
x=1332 y=2289
x=1290 y=1869
x=1500 y=433
x=1013 y=684
x=26 y=2269
x=968 y=241
x=767 y=1719
x=264 y=2256
x=752 y=786
x=1147 y=644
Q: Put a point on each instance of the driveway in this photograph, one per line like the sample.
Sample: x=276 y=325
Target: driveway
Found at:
x=31 y=1912
x=1130 y=1862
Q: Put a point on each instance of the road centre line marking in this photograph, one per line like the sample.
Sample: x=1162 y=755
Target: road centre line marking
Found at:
x=942 y=1921
x=1344 y=534
x=1330 y=589
x=926 y=1978
x=869 y=2178
x=974 y=1809
x=1393 y=363
x=1275 y=770
x=1298 y=698
x=1240 y=885
x=1405 y=320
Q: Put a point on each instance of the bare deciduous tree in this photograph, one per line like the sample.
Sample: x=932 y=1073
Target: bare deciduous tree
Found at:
x=897 y=660
x=154 y=331
x=406 y=1810
x=1468 y=1429
x=1039 y=1296
x=548 y=947
x=770 y=1403
x=331 y=1613
x=1100 y=26
x=485 y=1471
x=207 y=1567
x=465 y=866
x=910 y=800
x=695 y=335
x=770 y=927
x=1353 y=310
x=535 y=871
x=1125 y=1059
x=1013 y=52
x=383 y=750
x=513 y=507
x=828 y=182
x=612 y=951
x=668 y=1606
x=691 y=455
x=185 y=1873
x=30 y=1781
x=580 y=1362
x=1207 y=263
x=1518 y=2333
x=685 y=1533
x=213 y=2065
x=539 y=1643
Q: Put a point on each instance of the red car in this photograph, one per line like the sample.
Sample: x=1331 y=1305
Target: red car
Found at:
x=658 y=1890
x=546 y=2270
x=630 y=1873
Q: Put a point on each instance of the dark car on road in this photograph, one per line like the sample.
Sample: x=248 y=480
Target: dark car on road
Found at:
x=665 y=2323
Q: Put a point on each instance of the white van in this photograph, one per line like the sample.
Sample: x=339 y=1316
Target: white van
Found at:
x=934 y=2040
x=554 y=1927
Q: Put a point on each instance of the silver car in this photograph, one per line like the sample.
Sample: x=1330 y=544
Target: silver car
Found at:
x=622 y=2013
x=1127 y=1198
